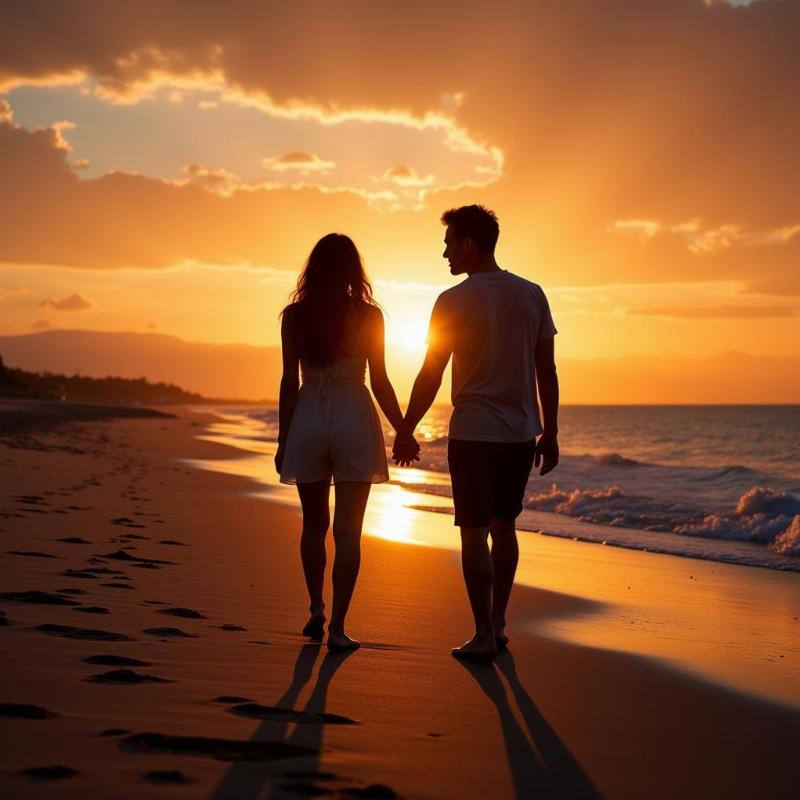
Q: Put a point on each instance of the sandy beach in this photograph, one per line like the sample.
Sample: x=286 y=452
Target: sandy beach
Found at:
x=150 y=622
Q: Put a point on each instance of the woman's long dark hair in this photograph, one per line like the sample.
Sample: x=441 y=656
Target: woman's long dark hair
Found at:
x=332 y=284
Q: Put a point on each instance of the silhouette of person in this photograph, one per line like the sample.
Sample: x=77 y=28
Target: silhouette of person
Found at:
x=499 y=330
x=329 y=430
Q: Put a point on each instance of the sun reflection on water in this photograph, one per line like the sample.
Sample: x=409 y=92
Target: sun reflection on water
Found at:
x=388 y=517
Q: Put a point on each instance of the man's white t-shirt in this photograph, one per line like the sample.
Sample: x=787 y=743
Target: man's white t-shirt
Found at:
x=492 y=321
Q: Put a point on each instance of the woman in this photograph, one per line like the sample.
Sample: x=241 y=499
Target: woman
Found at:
x=329 y=430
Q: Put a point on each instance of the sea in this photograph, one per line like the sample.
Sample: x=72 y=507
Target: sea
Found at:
x=712 y=482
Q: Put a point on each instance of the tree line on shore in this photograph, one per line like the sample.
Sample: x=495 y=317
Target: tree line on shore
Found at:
x=20 y=383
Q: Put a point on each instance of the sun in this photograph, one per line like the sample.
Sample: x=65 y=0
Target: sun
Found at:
x=408 y=334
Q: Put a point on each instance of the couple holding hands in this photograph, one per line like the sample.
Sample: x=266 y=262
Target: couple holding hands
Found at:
x=499 y=331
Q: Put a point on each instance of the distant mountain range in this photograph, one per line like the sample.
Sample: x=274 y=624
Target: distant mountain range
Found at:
x=213 y=370
x=253 y=373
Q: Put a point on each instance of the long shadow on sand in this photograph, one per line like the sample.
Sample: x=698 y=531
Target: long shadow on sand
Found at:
x=540 y=763
x=247 y=780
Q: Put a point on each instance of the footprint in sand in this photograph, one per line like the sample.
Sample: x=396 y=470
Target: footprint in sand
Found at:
x=125 y=677
x=231 y=627
x=186 y=613
x=73 y=540
x=258 y=711
x=92 y=610
x=107 y=660
x=174 y=542
x=54 y=772
x=30 y=553
x=116 y=585
x=231 y=698
x=121 y=555
x=31 y=499
x=155 y=603
x=38 y=598
x=171 y=777
x=79 y=573
x=169 y=633
x=70 y=591
x=114 y=732
x=86 y=634
x=220 y=749
x=126 y=522
x=25 y=711
x=107 y=571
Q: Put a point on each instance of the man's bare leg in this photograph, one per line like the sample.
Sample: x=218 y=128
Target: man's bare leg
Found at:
x=476 y=563
x=505 y=557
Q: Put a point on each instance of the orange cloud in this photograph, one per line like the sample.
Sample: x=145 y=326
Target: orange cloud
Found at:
x=220 y=180
x=73 y=302
x=407 y=177
x=641 y=229
x=636 y=127
x=721 y=312
x=301 y=162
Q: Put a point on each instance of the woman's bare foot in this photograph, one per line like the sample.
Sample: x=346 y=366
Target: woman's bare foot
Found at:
x=501 y=640
x=315 y=627
x=482 y=651
x=340 y=642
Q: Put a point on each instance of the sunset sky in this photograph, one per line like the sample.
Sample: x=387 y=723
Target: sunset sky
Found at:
x=167 y=166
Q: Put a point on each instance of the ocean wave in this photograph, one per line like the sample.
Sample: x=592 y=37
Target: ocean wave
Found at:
x=615 y=460
x=787 y=543
x=611 y=506
x=761 y=515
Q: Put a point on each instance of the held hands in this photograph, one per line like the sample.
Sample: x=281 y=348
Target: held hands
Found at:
x=279 y=458
x=546 y=453
x=405 y=450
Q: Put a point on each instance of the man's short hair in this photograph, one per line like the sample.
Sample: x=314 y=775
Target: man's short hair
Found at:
x=475 y=221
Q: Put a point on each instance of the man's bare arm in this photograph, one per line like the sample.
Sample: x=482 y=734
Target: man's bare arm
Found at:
x=425 y=387
x=547 y=383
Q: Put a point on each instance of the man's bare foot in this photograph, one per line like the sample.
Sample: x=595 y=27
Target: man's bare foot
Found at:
x=482 y=651
x=315 y=627
x=341 y=643
x=501 y=640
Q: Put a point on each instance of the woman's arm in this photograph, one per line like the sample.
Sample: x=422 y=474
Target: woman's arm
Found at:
x=290 y=386
x=378 y=379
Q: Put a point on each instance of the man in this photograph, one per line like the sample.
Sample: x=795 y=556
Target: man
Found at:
x=499 y=329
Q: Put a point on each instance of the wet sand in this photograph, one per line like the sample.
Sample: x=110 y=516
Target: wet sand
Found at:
x=194 y=681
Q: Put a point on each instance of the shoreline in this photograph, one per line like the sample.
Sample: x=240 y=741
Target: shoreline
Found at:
x=553 y=715
x=743 y=647
x=679 y=534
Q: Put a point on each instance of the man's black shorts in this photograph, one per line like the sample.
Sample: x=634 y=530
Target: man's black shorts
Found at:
x=489 y=479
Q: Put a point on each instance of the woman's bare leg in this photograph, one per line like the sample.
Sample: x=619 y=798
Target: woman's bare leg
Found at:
x=316 y=520
x=348 y=518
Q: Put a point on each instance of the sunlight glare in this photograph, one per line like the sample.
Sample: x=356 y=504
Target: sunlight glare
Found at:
x=408 y=334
